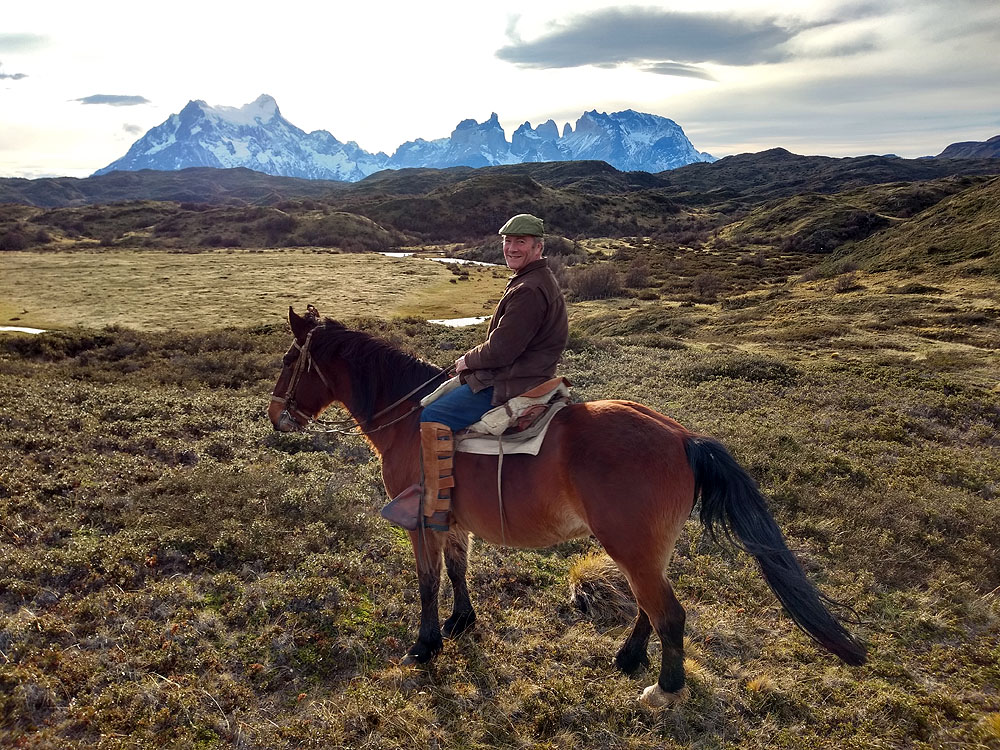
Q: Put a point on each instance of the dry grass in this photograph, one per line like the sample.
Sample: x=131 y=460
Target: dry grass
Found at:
x=152 y=290
x=598 y=588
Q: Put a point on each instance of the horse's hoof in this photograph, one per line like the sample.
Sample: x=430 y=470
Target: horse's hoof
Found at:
x=421 y=654
x=457 y=624
x=656 y=697
x=630 y=662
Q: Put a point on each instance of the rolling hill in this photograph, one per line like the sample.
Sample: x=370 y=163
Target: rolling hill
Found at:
x=819 y=223
x=962 y=232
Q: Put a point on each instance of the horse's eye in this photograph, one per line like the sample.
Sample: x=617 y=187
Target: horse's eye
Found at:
x=289 y=358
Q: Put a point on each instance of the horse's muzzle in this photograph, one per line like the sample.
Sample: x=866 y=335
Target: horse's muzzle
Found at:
x=287 y=423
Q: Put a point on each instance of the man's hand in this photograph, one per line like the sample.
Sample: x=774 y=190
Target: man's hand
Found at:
x=460 y=364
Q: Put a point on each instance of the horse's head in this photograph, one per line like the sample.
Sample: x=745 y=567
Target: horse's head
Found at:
x=329 y=362
x=302 y=391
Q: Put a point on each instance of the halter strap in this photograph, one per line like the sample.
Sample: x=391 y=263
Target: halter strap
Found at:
x=305 y=362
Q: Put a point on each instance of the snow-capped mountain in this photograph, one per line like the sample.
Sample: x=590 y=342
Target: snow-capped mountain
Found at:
x=631 y=141
x=256 y=136
x=471 y=144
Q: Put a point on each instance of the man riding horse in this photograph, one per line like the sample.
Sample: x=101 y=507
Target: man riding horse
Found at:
x=526 y=337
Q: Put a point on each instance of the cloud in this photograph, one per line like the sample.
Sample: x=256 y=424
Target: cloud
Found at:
x=113 y=100
x=652 y=36
x=132 y=129
x=22 y=42
x=12 y=76
x=678 y=69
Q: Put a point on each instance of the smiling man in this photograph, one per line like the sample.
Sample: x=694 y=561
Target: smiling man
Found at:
x=526 y=338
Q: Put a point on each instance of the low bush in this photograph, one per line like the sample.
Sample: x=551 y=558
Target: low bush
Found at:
x=636 y=275
x=598 y=281
x=14 y=239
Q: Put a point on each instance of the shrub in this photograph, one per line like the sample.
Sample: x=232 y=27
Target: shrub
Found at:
x=277 y=226
x=637 y=275
x=739 y=303
x=754 y=368
x=13 y=240
x=560 y=247
x=600 y=591
x=846 y=283
x=558 y=267
x=706 y=285
x=221 y=240
x=595 y=282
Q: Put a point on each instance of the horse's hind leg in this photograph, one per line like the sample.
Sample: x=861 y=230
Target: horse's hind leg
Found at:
x=427 y=547
x=656 y=597
x=632 y=656
x=456 y=560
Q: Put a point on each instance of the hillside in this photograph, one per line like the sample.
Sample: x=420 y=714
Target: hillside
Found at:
x=989 y=149
x=737 y=206
x=742 y=180
x=196 y=185
x=477 y=206
x=820 y=223
x=168 y=225
x=961 y=233
x=777 y=173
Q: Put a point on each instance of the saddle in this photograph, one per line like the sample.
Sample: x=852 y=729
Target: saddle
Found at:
x=518 y=426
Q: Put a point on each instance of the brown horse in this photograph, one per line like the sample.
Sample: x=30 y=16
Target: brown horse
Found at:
x=615 y=469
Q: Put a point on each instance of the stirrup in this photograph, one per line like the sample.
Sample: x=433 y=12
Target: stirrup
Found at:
x=439 y=521
x=404 y=510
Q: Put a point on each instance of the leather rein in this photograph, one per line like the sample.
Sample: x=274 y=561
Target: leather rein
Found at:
x=305 y=363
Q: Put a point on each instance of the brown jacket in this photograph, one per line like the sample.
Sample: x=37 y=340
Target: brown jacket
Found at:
x=526 y=337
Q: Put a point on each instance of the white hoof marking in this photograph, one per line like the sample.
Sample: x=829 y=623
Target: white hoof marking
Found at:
x=656 y=697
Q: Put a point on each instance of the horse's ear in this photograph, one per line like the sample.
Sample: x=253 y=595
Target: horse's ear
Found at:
x=301 y=325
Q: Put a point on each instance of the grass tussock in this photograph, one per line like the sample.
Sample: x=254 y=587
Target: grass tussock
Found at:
x=600 y=591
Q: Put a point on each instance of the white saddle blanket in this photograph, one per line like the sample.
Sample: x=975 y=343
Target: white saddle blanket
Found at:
x=486 y=436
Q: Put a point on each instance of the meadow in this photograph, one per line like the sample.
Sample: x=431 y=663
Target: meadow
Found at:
x=176 y=574
x=156 y=290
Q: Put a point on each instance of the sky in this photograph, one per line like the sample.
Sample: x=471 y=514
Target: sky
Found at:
x=80 y=82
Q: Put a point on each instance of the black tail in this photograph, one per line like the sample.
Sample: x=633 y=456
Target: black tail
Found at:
x=733 y=507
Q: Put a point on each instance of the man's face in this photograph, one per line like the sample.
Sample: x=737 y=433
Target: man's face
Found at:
x=521 y=249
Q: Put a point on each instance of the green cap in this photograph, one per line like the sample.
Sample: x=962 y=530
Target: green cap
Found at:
x=524 y=224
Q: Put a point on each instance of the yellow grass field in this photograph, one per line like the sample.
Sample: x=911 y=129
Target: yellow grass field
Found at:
x=150 y=290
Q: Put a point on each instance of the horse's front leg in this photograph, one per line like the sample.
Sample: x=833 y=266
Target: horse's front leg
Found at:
x=427 y=547
x=456 y=561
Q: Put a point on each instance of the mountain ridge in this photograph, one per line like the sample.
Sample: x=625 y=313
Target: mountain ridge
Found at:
x=988 y=149
x=258 y=137
x=744 y=179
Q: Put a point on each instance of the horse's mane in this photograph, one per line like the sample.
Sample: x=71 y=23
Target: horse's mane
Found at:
x=378 y=370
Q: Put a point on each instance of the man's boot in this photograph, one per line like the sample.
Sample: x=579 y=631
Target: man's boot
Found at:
x=438 y=451
x=436 y=457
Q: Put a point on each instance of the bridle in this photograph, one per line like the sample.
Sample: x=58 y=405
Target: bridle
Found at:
x=305 y=363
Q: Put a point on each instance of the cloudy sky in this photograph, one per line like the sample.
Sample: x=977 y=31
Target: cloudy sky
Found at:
x=79 y=82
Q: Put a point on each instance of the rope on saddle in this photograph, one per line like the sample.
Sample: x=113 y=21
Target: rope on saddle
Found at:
x=503 y=530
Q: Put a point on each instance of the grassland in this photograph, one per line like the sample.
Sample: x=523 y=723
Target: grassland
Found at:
x=177 y=575
x=150 y=290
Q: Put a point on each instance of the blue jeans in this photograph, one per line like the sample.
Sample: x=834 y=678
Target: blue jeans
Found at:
x=459 y=408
